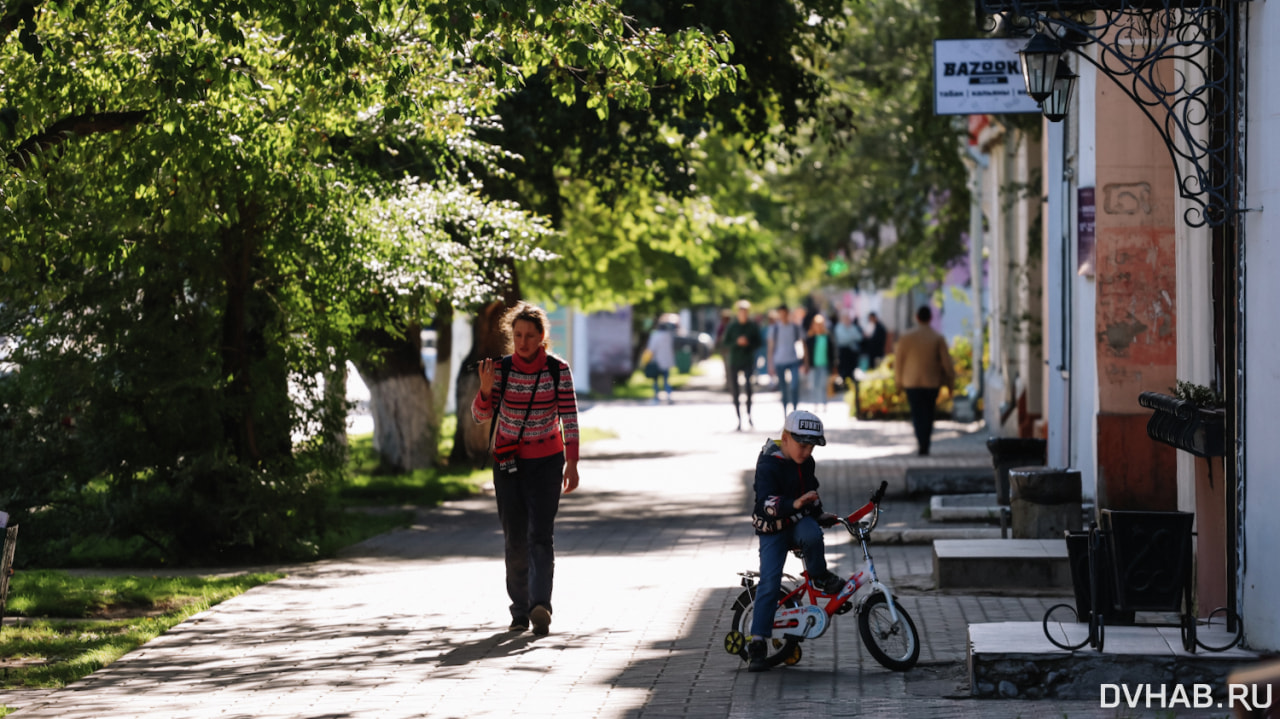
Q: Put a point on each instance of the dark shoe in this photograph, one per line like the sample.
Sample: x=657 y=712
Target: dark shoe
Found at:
x=541 y=618
x=830 y=584
x=757 y=659
x=518 y=624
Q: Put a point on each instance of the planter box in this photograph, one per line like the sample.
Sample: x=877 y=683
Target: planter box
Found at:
x=1185 y=426
x=1150 y=559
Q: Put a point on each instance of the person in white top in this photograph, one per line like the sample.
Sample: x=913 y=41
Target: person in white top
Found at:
x=784 y=360
x=662 y=343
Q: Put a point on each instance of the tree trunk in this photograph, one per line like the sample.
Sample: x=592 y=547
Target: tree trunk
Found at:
x=471 y=442
x=443 y=325
x=257 y=426
x=406 y=428
x=404 y=434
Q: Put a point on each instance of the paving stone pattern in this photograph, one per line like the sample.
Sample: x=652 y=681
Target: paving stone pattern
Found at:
x=413 y=623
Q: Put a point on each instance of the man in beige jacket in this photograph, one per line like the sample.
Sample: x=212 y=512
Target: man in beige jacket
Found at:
x=922 y=366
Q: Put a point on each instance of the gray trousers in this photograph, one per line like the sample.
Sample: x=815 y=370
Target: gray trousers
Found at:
x=528 y=500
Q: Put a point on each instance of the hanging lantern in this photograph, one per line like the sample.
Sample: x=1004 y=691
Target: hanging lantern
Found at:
x=1039 y=61
x=1056 y=106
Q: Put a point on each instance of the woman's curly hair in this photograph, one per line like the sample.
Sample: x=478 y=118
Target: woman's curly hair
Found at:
x=529 y=313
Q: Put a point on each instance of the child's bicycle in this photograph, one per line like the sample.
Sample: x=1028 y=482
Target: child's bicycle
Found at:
x=804 y=612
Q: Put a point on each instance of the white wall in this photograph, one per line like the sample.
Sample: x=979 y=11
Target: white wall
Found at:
x=1261 y=572
x=1084 y=348
x=1059 y=236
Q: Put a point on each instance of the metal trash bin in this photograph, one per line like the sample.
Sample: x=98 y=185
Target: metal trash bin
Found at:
x=1044 y=502
x=684 y=360
x=1010 y=452
x=1082 y=580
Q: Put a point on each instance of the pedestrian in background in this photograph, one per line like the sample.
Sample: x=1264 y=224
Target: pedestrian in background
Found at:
x=662 y=348
x=784 y=357
x=534 y=438
x=740 y=341
x=723 y=323
x=922 y=366
x=819 y=359
x=848 y=336
x=875 y=343
x=764 y=322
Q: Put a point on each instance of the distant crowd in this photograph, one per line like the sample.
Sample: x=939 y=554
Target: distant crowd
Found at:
x=806 y=356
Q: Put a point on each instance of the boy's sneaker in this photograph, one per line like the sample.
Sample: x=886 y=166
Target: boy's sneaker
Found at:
x=518 y=624
x=830 y=584
x=757 y=656
x=541 y=618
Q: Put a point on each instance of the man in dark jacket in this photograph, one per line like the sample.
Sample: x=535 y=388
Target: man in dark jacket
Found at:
x=875 y=342
x=741 y=340
x=787 y=513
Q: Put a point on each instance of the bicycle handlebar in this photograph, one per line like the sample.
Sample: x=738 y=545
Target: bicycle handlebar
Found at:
x=870 y=506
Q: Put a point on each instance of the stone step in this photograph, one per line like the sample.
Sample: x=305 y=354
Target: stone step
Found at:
x=1016 y=659
x=1001 y=564
x=922 y=481
x=980 y=507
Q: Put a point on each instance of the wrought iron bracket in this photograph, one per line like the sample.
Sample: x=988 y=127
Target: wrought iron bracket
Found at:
x=1178 y=60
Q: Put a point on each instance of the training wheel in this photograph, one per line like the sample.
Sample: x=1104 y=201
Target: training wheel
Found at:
x=735 y=643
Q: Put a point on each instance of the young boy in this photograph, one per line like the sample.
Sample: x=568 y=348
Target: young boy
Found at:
x=787 y=513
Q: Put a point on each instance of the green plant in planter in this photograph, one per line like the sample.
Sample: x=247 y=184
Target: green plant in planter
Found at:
x=1198 y=394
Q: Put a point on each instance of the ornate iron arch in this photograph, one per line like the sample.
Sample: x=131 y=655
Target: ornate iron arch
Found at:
x=1178 y=60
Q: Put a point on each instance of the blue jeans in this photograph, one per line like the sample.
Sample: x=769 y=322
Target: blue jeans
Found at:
x=790 y=387
x=805 y=534
x=528 y=500
x=820 y=375
x=666 y=383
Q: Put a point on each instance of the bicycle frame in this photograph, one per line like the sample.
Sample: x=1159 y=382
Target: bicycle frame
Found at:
x=804 y=612
x=812 y=617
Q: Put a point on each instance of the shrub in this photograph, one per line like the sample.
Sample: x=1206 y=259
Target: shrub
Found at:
x=880 y=398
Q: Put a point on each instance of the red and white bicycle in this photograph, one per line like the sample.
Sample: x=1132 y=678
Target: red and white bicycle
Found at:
x=804 y=612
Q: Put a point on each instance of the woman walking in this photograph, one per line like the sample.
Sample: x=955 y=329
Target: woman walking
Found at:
x=662 y=347
x=848 y=337
x=819 y=358
x=535 y=451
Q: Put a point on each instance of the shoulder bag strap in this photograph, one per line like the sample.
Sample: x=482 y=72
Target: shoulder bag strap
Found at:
x=533 y=393
x=504 y=369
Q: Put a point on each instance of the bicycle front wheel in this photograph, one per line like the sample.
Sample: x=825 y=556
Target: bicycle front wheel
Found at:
x=778 y=648
x=896 y=645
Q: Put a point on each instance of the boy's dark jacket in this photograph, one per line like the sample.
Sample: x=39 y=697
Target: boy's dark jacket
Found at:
x=779 y=482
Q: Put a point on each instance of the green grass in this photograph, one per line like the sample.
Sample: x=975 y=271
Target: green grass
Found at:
x=367 y=489
x=640 y=387
x=76 y=625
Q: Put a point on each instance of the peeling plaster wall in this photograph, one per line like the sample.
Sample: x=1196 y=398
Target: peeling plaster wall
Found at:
x=1136 y=329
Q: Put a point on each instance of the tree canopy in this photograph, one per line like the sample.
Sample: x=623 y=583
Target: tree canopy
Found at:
x=878 y=176
x=202 y=211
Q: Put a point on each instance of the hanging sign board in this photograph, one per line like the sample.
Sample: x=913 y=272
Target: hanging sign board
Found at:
x=979 y=76
x=1086 y=216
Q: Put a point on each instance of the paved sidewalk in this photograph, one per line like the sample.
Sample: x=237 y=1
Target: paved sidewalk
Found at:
x=413 y=623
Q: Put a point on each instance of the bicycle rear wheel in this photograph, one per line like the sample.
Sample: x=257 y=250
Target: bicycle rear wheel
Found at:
x=896 y=645
x=778 y=648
